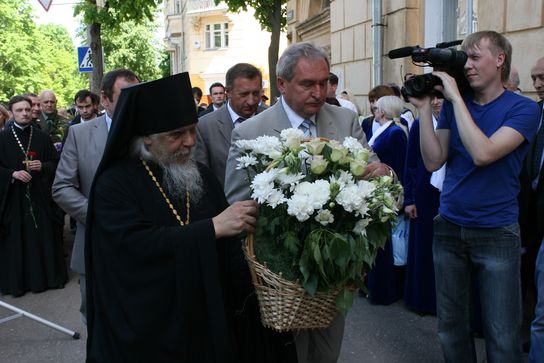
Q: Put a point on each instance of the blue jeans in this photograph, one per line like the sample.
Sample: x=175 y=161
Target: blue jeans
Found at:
x=536 y=355
x=492 y=256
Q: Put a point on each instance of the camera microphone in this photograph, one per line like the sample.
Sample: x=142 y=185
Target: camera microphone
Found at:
x=401 y=52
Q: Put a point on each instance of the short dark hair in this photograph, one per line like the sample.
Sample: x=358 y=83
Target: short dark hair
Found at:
x=380 y=91
x=242 y=70
x=197 y=92
x=333 y=78
x=82 y=94
x=108 y=81
x=30 y=94
x=216 y=84
x=16 y=99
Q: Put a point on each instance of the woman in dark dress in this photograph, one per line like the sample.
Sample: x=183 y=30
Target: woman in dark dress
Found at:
x=421 y=200
x=389 y=143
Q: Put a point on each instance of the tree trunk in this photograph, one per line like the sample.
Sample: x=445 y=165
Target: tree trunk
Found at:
x=273 y=49
x=97 y=56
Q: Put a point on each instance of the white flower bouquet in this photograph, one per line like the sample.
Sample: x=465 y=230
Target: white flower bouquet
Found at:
x=321 y=224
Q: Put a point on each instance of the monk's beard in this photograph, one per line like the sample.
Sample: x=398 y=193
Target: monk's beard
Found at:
x=177 y=179
x=180 y=173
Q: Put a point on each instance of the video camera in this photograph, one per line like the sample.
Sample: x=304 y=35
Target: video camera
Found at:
x=441 y=58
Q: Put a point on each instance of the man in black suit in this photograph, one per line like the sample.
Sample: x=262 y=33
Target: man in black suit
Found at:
x=244 y=88
x=531 y=198
x=217 y=93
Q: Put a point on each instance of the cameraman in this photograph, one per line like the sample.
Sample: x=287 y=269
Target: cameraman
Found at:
x=483 y=135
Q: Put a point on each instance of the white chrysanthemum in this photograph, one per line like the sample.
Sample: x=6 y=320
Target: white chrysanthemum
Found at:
x=307 y=198
x=366 y=188
x=292 y=137
x=360 y=226
x=345 y=178
x=349 y=198
x=269 y=146
x=289 y=180
x=352 y=144
x=246 y=161
x=300 y=206
x=245 y=144
x=263 y=185
x=275 y=198
x=324 y=217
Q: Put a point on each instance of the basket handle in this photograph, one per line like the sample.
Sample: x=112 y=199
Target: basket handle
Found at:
x=250 y=240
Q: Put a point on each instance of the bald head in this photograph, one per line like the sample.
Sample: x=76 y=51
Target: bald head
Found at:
x=537 y=75
x=48 y=102
x=513 y=80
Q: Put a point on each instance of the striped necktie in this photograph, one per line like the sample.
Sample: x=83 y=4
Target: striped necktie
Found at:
x=239 y=120
x=305 y=127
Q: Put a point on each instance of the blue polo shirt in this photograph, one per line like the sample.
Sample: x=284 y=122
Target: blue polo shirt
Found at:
x=486 y=197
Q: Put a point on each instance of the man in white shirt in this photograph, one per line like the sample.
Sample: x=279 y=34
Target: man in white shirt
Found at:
x=331 y=92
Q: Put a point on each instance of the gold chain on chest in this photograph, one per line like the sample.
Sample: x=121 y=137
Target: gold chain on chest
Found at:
x=170 y=205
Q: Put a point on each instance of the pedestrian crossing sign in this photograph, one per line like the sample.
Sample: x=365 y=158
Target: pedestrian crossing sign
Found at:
x=84 y=59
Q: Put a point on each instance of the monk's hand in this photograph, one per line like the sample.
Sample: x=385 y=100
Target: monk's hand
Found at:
x=377 y=169
x=239 y=217
x=35 y=165
x=22 y=175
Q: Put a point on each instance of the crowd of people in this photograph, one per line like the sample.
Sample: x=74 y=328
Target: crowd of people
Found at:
x=159 y=203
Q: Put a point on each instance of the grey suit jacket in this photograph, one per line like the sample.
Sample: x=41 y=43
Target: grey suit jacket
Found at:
x=332 y=122
x=213 y=134
x=213 y=141
x=79 y=159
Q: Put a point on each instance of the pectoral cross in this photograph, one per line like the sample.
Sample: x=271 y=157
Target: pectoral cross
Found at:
x=26 y=162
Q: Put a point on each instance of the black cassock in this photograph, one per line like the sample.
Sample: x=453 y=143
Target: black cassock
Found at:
x=31 y=252
x=161 y=292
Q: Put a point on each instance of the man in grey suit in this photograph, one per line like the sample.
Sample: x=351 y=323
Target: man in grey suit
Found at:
x=80 y=157
x=302 y=77
x=244 y=86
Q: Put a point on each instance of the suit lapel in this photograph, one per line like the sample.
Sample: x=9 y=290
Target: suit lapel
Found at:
x=325 y=124
x=100 y=136
x=280 y=120
x=225 y=124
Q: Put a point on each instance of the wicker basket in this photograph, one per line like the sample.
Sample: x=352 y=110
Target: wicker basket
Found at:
x=285 y=305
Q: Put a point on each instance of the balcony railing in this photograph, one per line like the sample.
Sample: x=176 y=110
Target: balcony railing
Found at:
x=203 y=5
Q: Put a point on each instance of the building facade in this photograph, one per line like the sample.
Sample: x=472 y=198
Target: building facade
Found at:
x=351 y=40
x=205 y=40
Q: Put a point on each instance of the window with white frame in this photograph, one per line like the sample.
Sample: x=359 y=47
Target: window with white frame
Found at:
x=217 y=35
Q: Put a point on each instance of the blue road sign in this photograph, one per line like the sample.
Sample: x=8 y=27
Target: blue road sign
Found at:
x=84 y=59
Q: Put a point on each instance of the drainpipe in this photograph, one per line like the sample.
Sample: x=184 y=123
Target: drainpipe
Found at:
x=377 y=35
x=469 y=15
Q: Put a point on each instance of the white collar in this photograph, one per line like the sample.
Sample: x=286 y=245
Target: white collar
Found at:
x=20 y=127
x=233 y=115
x=108 y=120
x=378 y=132
x=293 y=117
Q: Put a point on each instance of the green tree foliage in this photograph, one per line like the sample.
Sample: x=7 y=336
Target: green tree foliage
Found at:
x=111 y=17
x=134 y=47
x=59 y=70
x=35 y=58
x=271 y=14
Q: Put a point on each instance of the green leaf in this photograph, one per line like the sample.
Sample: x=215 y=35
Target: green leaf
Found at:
x=344 y=301
x=291 y=242
x=311 y=284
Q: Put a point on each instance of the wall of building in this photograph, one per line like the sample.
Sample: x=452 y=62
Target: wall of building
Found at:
x=248 y=43
x=352 y=43
x=522 y=22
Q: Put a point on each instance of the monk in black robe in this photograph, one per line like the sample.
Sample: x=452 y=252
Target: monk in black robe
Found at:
x=162 y=256
x=31 y=252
